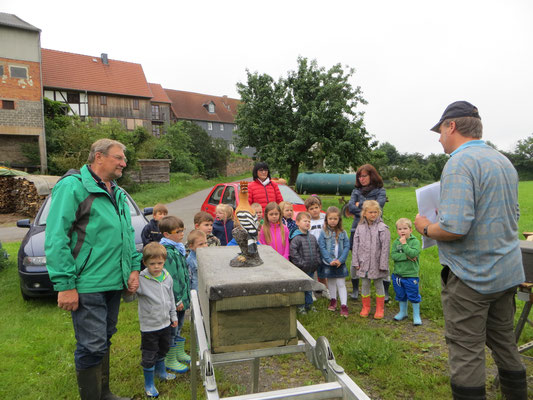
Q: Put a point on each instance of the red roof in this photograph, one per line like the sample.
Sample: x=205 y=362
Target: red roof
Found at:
x=87 y=73
x=194 y=106
x=159 y=93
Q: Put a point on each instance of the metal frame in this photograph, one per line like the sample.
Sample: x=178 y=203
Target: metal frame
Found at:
x=524 y=294
x=339 y=384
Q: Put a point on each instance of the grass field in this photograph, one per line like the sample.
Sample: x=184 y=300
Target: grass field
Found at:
x=388 y=359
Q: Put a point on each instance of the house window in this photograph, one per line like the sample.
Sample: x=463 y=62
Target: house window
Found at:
x=221 y=127
x=73 y=98
x=8 y=104
x=18 y=72
x=156 y=130
x=209 y=126
x=135 y=104
x=211 y=108
x=103 y=100
x=1 y=70
x=155 y=112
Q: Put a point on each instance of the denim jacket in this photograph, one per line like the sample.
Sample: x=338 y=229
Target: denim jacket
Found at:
x=326 y=242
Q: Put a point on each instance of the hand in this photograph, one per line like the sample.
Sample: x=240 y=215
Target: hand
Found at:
x=357 y=267
x=68 y=300
x=180 y=307
x=133 y=282
x=411 y=259
x=420 y=223
x=174 y=324
x=403 y=240
x=357 y=204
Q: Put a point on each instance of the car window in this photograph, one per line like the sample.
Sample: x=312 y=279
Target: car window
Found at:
x=44 y=212
x=229 y=196
x=290 y=195
x=133 y=211
x=217 y=194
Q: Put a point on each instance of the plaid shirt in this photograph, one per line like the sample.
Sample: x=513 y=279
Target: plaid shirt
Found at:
x=479 y=199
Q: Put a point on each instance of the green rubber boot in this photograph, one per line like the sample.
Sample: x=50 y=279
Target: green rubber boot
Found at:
x=172 y=363
x=181 y=356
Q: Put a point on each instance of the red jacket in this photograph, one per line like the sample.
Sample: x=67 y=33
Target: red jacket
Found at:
x=257 y=193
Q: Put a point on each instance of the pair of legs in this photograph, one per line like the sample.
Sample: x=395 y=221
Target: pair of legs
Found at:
x=473 y=320
x=407 y=289
x=338 y=285
x=94 y=323
x=355 y=285
x=380 y=298
x=154 y=347
x=177 y=360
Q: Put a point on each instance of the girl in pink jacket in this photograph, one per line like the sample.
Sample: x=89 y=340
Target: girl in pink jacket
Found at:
x=370 y=256
x=273 y=232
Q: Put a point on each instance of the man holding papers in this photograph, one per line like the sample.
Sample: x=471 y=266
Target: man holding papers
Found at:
x=477 y=235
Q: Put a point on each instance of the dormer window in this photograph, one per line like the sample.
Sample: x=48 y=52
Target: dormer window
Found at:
x=211 y=107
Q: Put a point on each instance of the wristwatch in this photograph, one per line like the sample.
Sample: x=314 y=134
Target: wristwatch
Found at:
x=426 y=230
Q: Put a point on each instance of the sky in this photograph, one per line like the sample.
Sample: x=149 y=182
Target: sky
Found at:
x=412 y=58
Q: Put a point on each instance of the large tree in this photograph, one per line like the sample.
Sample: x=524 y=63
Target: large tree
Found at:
x=308 y=119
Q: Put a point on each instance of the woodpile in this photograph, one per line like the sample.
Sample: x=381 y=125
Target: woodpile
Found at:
x=24 y=195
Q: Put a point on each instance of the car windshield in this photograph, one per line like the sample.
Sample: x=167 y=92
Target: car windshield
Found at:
x=46 y=210
x=290 y=195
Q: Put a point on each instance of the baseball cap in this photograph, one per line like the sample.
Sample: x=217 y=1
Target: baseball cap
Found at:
x=456 y=110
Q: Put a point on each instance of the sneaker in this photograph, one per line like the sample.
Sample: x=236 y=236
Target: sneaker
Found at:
x=332 y=305
x=344 y=311
x=302 y=310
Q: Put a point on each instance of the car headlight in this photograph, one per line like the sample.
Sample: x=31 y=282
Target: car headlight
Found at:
x=34 y=261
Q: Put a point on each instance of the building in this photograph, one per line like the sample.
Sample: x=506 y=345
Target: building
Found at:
x=160 y=109
x=21 y=105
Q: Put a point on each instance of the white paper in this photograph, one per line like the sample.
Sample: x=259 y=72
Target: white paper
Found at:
x=428 y=199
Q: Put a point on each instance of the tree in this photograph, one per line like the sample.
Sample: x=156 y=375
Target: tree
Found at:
x=307 y=119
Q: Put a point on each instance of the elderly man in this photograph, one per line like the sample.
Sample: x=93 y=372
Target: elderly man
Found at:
x=91 y=258
x=477 y=235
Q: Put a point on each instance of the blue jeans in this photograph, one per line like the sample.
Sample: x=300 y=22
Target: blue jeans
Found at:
x=95 y=321
x=309 y=295
x=176 y=332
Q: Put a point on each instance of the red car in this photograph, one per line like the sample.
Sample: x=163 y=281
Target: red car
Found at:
x=227 y=193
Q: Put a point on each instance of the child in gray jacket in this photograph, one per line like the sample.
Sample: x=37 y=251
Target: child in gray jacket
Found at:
x=157 y=313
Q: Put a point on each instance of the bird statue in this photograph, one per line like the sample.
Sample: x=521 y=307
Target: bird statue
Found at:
x=246 y=231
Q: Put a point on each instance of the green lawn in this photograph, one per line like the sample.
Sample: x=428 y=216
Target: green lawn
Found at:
x=389 y=360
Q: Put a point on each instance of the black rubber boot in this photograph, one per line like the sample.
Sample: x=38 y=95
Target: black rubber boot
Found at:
x=513 y=384
x=90 y=382
x=106 y=393
x=386 y=285
x=355 y=292
x=468 y=393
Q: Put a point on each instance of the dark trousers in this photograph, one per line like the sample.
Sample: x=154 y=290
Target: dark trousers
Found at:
x=473 y=320
x=95 y=321
x=154 y=346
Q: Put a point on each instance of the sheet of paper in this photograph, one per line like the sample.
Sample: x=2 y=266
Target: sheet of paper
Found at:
x=428 y=199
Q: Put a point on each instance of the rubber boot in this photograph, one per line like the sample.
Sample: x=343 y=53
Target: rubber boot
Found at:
x=172 y=363
x=468 y=393
x=106 y=393
x=90 y=382
x=386 y=285
x=161 y=371
x=181 y=356
x=513 y=384
x=355 y=291
x=149 y=387
x=380 y=307
x=366 y=306
x=416 y=314
x=403 y=311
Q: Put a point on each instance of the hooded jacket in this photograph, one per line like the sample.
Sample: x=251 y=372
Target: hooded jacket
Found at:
x=304 y=251
x=277 y=243
x=378 y=194
x=176 y=265
x=89 y=240
x=223 y=231
x=264 y=194
x=370 y=250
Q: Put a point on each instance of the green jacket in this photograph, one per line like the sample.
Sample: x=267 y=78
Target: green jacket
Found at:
x=89 y=243
x=404 y=267
x=176 y=265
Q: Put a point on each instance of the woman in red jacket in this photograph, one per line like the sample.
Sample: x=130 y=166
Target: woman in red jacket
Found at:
x=262 y=190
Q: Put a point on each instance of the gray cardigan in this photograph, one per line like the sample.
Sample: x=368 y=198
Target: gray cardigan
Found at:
x=156 y=301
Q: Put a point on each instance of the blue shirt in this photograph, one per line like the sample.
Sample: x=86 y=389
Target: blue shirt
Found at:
x=193 y=269
x=479 y=199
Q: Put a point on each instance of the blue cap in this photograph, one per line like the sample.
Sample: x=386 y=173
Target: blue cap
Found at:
x=456 y=110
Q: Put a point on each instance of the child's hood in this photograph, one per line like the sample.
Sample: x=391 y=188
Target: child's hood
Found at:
x=297 y=232
x=178 y=246
x=146 y=274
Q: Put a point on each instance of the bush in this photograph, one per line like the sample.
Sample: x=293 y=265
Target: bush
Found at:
x=3 y=257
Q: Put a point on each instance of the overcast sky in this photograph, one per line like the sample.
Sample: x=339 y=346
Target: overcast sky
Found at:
x=412 y=58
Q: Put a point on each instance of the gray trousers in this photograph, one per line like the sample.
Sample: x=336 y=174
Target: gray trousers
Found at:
x=472 y=320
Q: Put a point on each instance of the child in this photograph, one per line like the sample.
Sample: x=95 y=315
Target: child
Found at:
x=150 y=232
x=258 y=212
x=223 y=224
x=196 y=239
x=370 y=256
x=176 y=264
x=305 y=253
x=334 y=247
x=313 y=204
x=405 y=252
x=204 y=221
x=157 y=314
x=287 y=212
x=273 y=232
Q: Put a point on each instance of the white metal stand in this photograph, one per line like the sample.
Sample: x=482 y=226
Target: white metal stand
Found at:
x=339 y=385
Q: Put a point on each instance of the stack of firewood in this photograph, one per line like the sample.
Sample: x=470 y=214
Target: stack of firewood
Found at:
x=19 y=195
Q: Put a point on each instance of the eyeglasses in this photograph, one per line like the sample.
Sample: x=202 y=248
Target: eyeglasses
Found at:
x=262 y=170
x=363 y=176
x=117 y=157
x=177 y=231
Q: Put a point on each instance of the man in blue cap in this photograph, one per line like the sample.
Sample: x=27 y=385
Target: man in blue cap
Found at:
x=477 y=236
